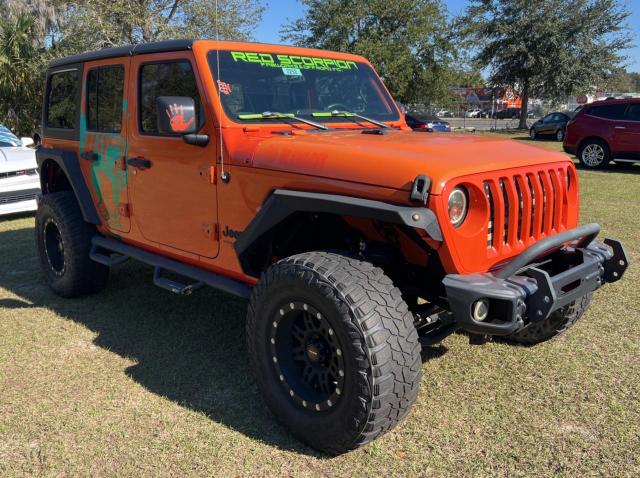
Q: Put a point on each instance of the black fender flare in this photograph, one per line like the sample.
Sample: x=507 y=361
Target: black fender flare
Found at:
x=68 y=162
x=283 y=203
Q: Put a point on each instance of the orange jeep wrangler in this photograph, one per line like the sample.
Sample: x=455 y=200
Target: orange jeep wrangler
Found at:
x=289 y=177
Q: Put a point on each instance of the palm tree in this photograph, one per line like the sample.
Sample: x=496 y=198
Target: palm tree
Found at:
x=21 y=71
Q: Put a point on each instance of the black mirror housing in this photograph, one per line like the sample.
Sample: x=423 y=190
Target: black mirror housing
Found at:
x=176 y=115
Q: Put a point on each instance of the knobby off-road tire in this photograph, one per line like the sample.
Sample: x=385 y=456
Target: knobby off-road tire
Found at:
x=557 y=323
x=63 y=240
x=321 y=312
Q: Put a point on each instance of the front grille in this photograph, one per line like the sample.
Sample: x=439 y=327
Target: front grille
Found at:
x=23 y=172
x=524 y=208
x=18 y=196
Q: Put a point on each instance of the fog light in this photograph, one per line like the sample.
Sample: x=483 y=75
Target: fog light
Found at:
x=480 y=310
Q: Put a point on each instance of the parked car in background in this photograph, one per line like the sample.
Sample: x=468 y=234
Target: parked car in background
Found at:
x=507 y=113
x=603 y=131
x=19 y=181
x=552 y=125
x=474 y=113
x=419 y=122
x=444 y=114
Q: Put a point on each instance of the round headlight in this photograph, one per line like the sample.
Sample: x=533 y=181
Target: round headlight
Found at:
x=457 y=206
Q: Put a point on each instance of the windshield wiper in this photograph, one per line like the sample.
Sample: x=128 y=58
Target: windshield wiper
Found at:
x=347 y=114
x=272 y=115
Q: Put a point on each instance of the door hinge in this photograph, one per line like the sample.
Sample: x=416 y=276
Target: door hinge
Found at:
x=208 y=173
x=121 y=163
x=211 y=231
x=124 y=209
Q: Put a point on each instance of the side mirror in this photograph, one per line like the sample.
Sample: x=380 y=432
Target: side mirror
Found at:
x=26 y=141
x=176 y=115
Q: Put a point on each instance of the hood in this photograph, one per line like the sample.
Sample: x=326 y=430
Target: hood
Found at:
x=395 y=158
x=16 y=159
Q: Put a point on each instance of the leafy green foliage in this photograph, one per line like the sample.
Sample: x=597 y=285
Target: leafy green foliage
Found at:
x=407 y=41
x=21 y=74
x=547 y=48
x=32 y=32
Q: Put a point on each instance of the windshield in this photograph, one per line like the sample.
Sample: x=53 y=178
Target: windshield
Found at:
x=8 y=139
x=255 y=83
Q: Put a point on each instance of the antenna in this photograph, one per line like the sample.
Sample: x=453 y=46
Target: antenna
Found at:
x=223 y=174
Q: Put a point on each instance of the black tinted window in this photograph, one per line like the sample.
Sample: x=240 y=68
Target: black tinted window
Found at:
x=165 y=79
x=633 y=113
x=62 y=101
x=613 y=112
x=104 y=99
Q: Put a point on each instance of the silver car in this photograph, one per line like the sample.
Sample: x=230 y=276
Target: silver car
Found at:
x=19 y=181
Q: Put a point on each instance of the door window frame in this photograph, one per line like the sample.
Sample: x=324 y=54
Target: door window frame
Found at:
x=124 y=97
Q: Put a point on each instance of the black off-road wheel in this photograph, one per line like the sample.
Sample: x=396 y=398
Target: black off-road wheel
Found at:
x=334 y=349
x=556 y=324
x=63 y=240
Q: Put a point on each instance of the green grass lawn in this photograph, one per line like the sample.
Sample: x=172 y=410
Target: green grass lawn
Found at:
x=137 y=381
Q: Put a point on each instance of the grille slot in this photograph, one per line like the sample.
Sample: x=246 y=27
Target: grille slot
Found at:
x=18 y=196
x=523 y=208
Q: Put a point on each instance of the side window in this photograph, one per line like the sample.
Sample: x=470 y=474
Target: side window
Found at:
x=104 y=99
x=175 y=78
x=62 y=100
x=612 y=112
x=633 y=113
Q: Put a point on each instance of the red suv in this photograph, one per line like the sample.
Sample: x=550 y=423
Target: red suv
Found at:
x=603 y=131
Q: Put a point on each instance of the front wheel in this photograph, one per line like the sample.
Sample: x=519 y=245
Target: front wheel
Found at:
x=334 y=349
x=556 y=324
x=594 y=154
x=532 y=134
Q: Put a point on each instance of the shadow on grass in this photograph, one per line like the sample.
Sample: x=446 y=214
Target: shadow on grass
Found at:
x=191 y=350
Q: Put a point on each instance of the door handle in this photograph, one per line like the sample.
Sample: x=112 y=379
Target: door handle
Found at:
x=620 y=127
x=139 y=163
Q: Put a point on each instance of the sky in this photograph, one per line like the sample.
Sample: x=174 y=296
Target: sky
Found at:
x=280 y=11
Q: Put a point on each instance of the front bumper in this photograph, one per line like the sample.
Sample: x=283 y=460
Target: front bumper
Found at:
x=545 y=277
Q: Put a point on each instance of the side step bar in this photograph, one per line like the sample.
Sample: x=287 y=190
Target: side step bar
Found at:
x=120 y=252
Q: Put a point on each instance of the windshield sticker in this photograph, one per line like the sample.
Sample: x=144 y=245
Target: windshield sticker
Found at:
x=292 y=71
x=293 y=61
x=225 y=88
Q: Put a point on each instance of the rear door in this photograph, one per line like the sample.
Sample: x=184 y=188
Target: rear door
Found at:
x=610 y=124
x=630 y=135
x=103 y=139
x=173 y=195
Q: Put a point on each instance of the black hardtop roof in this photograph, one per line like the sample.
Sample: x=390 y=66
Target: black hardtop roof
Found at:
x=126 y=50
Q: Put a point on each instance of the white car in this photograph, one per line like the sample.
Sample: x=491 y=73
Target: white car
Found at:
x=475 y=113
x=19 y=181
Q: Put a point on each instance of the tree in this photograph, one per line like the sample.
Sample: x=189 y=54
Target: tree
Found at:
x=91 y=24
x=621 y=81
x=21 y=74
x=407 y=41
x=34 y=31
x=547 y=48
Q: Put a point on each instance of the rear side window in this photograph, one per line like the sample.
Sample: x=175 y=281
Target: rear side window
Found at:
x=62 y=100
x=174 y=78
x=633 y=113
x=612 y=112
x=104 y=99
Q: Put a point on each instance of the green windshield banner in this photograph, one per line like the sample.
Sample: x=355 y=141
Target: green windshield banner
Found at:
x=293 y=61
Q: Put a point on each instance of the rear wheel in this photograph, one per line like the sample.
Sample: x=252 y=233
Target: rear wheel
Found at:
x=556 y=324
x=594 y=154
x=63 y=241
x=560 y=135
x=334 y=349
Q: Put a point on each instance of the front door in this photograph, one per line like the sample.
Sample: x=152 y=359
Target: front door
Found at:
x=103 y=139
x=171 y=183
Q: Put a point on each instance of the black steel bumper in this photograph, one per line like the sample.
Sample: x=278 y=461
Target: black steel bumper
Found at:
x=544 y=278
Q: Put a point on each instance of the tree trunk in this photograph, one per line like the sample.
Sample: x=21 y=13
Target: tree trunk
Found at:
x=524 y=107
